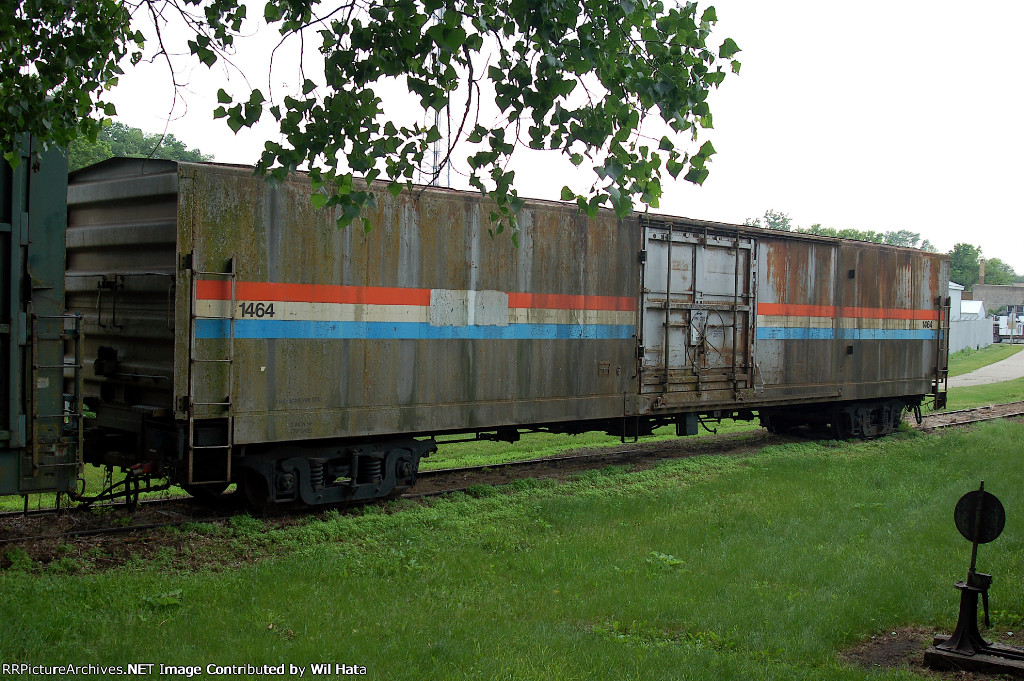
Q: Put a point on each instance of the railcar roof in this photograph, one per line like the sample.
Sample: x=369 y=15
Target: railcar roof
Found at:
x=126 y=167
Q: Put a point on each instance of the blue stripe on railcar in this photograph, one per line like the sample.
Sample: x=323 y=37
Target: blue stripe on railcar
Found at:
x=796 y=333
x=305 y=329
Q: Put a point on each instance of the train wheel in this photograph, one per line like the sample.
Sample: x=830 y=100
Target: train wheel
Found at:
x=205 y=491
x=780 y=425
x=255 y=489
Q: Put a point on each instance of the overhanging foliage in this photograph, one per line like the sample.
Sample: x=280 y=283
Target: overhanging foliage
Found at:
x=576 y=76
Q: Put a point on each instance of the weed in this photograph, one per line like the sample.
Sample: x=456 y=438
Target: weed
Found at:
x=644 y=635
x=202 y=529
x=481 y=491
x=665 y=560
x=18 y=560
x=171 y=599
x=1004 y=619
x=246 y=525
x=66 y=565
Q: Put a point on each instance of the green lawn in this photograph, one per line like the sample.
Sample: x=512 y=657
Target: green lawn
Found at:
x=969 y=359
x=707 y=568
x=981 y=395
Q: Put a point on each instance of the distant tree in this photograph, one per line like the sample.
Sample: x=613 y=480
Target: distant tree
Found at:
x=855 y=234
x=902 y=237
x=781 y=221
x=963 y=264
x=83 y=153
x=861 y=235
x=927 y=245
x=772 y=219
x=118 y=139
x=818 y=230
x=999 y=273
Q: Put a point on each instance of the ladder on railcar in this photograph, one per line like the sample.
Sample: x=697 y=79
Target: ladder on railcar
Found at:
x=56 y=438
x=227 y=446
x=942 y=352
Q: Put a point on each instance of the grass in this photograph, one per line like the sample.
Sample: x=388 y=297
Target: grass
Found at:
x=969 y=359
x=537 y=445
x=981 y=395
x=706 y=568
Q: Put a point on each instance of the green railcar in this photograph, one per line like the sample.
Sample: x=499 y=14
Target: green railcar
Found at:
x=40 y=369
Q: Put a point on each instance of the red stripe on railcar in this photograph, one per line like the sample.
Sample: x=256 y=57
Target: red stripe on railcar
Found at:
x=312 y=293
x=793 y=310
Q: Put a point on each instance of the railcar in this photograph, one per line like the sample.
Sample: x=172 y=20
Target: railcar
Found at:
x=233 y=334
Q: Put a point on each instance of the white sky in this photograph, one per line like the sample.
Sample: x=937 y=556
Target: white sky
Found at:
x=871 y=115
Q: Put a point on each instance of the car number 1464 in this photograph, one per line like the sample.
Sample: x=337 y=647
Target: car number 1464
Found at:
x=258 y=310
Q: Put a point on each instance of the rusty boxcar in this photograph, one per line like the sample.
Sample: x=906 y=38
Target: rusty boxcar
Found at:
x=232 y=333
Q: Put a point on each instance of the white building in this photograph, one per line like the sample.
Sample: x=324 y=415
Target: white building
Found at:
x=968 y=325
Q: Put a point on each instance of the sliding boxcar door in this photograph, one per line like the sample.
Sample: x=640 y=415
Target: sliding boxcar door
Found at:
x=698 y=298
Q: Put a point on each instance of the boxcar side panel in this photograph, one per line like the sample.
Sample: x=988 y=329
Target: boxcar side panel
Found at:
x=424 y=324
x=847 y=321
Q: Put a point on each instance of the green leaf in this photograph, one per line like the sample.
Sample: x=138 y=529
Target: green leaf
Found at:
x=223 y=97
x=696 y=175
x=568 y=194
x=454 y=38
x=728 y=48
x=318 y=199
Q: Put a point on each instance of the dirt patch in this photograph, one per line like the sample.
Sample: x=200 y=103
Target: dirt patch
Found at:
x=897 y=649
x=904 y=649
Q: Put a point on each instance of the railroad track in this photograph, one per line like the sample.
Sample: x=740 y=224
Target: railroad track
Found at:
x=963 y=417
x=179 y=511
